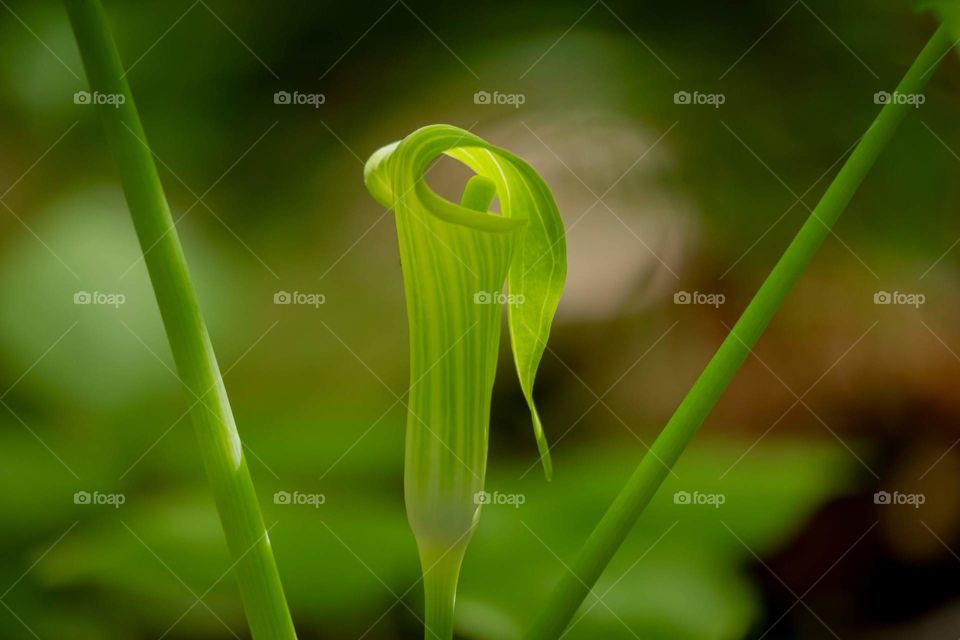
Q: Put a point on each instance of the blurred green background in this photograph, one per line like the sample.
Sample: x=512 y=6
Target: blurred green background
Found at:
x=845 y=397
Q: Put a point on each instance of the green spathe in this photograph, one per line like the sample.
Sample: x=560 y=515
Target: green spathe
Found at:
x=456 y=259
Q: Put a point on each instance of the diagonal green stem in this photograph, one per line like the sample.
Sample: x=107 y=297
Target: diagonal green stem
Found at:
x=220 y=446
x=609 y=534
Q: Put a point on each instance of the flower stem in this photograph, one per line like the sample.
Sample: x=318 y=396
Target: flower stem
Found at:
x=441 y=571
x=222 y=452
x=619 y=519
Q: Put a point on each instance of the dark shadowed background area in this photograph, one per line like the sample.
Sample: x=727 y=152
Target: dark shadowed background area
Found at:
x=685 y=144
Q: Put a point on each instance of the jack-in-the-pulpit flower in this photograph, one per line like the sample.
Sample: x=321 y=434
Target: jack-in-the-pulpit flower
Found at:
x=456 y=259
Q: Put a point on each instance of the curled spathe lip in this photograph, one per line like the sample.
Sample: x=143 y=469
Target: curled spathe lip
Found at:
x=394 y=174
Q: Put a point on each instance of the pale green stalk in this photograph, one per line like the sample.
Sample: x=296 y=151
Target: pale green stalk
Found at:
x=583 y=572
x=247 y=540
